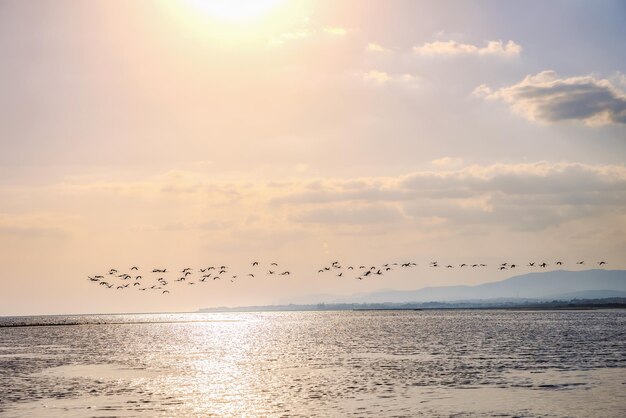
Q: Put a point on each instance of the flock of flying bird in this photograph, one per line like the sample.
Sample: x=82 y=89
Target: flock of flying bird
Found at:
x=114 y=279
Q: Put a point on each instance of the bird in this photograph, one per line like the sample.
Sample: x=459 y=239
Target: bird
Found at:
x=165 y=291
x=531 y=264
x=543 y=265
x=340 y=274
x=580 y=262
x=250 y=274
x=134 y=268
x=285 y=273
x=559 y=263
x=270 y=272
x=274 y=264
x=255 y=263
x=601 y=263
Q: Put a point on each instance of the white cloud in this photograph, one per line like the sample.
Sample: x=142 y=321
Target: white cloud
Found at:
x=377 y=76
x=510 y=49
x=339 y=31
x=382 y=77
x=374 y=47
x=547 y=97
x=447 y=162
x=289 y=36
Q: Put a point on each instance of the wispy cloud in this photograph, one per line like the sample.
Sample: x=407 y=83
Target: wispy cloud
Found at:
x=383 y=77
x=510 y=49
x=338 y=31
x=374 y=47
x=547 y=97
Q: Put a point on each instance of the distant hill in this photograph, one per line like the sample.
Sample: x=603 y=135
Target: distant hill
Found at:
x=559 y=284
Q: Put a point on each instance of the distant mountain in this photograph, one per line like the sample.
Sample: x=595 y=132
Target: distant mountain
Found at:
x=559 y=284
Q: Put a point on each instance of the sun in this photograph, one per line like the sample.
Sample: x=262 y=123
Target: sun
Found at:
x=234 y=10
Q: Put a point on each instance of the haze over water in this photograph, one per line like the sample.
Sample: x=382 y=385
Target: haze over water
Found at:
x=409 y=363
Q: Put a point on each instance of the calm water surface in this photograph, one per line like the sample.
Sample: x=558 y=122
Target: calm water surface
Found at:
x=425 y=363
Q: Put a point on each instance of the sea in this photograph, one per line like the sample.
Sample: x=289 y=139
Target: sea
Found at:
x=431 y=363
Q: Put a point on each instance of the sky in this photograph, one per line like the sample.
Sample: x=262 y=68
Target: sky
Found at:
x=168 y=134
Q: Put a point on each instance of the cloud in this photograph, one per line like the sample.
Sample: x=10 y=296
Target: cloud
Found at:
x=33 y=226
x=374 y=47
x=289 y=36
x=338 y=31
x=382 y=78
x=350 y=215
x=448 y=162
x=510 y=49
x=546 y=97
x=529 y=196
x=525 y=196
x=377 y=76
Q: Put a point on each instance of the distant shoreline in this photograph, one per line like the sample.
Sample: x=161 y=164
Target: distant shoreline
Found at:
x=513 y=308
x=576 y=304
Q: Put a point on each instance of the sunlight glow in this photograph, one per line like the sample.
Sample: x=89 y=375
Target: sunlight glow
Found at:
x=234 y=10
